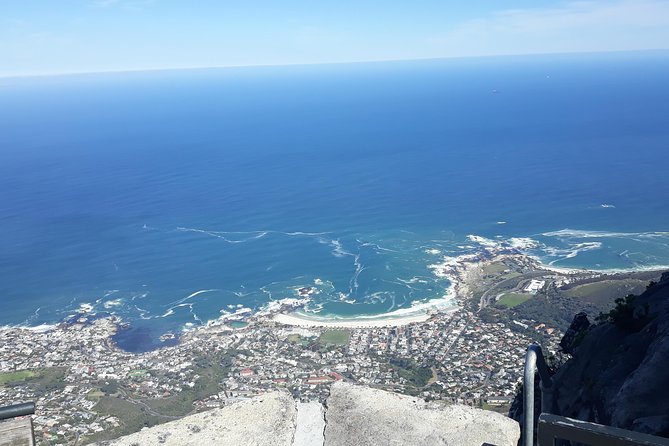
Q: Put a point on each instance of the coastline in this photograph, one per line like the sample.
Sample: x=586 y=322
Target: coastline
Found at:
x=298 y=320
x=463 y=272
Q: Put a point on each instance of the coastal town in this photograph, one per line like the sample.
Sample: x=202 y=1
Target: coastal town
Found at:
x=87 y=389
x=83 y=385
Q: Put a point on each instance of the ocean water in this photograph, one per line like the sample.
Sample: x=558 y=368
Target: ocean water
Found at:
x=172 y=197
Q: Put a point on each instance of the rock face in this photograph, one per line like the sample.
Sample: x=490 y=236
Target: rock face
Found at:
x=268 y=420
x=352 y=415
x=363 y=416
x=310 y=424
x=576 y=331
x=618 y=374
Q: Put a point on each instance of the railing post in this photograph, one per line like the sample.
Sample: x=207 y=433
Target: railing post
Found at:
x=528 y=397
x=534 y=361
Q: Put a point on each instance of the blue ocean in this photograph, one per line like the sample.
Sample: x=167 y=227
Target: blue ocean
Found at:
x=172 y=197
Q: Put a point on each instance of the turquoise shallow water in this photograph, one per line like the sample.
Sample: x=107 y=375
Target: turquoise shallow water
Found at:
x=168 y=197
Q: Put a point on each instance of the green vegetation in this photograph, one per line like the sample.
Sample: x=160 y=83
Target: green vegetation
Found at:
x=335 y=337
x=608 y=288
x=16 y=377
x=135 y=413
x=511 y=300
x=495 y=268
x=39 y=380
x=294 y=338
x=297 y=339
x=626 y=316
x=415 y=375
x=109 y=388
x=132 y=417
x=180 y=404
x=95 y=395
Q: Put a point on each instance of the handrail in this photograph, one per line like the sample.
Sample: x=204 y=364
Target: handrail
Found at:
x=534 y=361
x=17 y=410
x=553 y=428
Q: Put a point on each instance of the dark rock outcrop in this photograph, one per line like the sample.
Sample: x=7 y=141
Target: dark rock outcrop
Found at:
x=619 y=373
x=575 y=333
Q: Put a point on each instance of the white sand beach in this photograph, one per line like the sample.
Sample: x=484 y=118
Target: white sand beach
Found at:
x=301 y=321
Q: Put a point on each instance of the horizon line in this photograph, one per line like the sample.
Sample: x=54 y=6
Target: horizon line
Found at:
x=297 y=64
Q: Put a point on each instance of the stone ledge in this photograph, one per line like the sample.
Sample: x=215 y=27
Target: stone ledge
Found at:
x=353 y=415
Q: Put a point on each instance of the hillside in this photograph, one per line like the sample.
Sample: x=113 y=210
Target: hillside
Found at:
x=617 y=375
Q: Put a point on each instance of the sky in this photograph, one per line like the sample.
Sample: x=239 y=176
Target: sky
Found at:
x=40 y=37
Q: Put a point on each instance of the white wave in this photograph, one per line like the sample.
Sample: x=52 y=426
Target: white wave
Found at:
x=606 y=206
x=255 y=235
x=308 y=234
x=578 y=233
x=376 y=246
x=143 y=313
x=42 y=328
x=339 y=250
x=190 y=296
x=433 y=251
x=85 y=308
x=522 y=243
x=343 y=297
x=138 y=296
x=359 y=268
x=377 y=297
x=276 y=305
x=486 y=242
x=392 y=304
x=501 y=222
x=413 y=280
x=573 y=251
x=318 y=281
x=518 y=243
x=113 y=303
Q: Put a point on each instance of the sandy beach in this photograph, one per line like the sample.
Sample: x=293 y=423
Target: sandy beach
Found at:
x=301 y=321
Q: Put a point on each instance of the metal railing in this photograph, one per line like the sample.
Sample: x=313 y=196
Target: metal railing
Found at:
x=534 y=361
x=555 y=430
x=17 y=410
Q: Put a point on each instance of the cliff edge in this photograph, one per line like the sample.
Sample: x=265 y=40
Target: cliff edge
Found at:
x=618 y=373
x=352 y=415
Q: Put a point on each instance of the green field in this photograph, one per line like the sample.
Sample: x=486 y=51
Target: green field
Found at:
x=95 y=395
x=294 y=338
x=16 y=377
x=335 y=337
x=609 y=288
x=38 y=380
x=511 y=300
x=495 y=268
